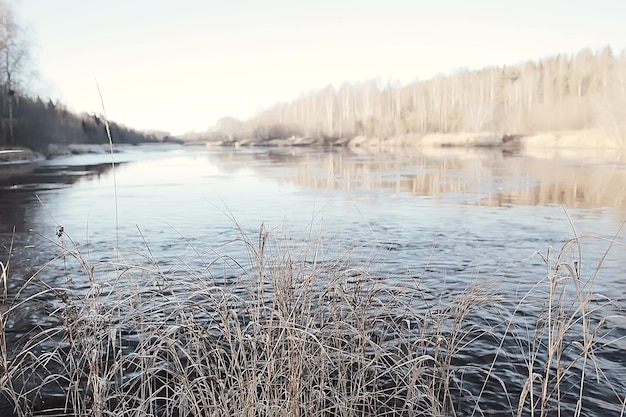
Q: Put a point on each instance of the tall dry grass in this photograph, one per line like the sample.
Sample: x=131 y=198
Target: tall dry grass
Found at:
x=297 y=330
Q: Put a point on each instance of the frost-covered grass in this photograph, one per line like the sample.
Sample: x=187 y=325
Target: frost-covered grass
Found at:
x=291 y=330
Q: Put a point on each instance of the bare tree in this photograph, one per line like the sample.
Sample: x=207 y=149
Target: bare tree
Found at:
x=13 y=58
x=554 y=93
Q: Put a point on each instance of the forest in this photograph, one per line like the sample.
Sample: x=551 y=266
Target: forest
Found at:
x=33 y=123
x=586 y=90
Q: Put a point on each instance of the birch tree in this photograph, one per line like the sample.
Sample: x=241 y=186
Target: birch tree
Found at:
x=13 y=57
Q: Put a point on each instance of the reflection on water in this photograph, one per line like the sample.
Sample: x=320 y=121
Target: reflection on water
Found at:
x=470 y=176
x=449 y=212
x=19 y=194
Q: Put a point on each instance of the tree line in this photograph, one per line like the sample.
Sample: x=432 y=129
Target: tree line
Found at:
x=562 y=92
x=34 y=123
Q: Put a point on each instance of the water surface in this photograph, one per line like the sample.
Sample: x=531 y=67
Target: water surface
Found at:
x=443 y=219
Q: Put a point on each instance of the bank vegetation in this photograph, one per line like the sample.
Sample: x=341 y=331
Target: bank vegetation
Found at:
x=294 y=330
x=28 y=121
x=585 y=91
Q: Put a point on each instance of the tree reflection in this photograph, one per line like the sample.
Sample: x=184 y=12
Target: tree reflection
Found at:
x=488 y=177
x=19 y=185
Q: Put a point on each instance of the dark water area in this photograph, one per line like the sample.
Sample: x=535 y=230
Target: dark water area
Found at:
x=441 y=219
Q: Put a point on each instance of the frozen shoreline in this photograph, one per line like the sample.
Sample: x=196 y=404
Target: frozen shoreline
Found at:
x=573 y=139
x=591 y=138
x=541 y=144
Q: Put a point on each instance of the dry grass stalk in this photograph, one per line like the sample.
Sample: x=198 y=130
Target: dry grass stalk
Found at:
x=291 y=333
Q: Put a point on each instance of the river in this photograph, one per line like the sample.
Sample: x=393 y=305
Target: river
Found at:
x=449 y=218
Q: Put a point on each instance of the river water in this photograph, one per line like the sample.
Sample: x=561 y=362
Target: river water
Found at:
x=450 y=218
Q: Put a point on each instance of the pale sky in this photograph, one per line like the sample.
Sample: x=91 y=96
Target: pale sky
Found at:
x=182 y=65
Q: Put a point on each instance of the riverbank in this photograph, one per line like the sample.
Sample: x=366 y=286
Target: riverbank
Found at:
x=588 y=138
x=562 y=141
x=22 y=155
x=14 y=156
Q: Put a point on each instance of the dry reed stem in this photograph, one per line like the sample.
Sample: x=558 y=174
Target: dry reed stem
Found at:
x=290 y=333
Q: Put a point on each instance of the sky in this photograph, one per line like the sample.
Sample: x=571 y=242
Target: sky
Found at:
x=179 y=66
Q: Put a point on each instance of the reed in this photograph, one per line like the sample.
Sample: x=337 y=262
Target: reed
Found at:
x=296 y=329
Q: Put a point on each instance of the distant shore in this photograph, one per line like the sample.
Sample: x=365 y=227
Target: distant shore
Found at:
x=590 y=138
x=22 y=155
x=563 y=140
x=16 y=156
